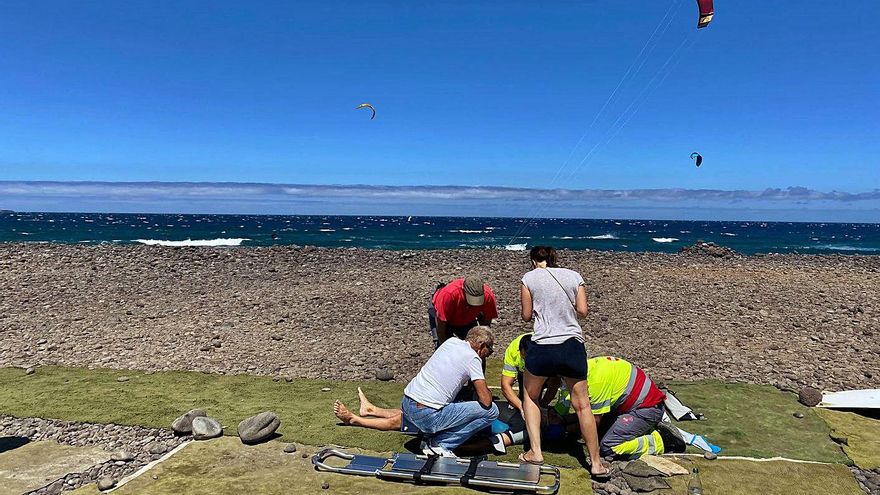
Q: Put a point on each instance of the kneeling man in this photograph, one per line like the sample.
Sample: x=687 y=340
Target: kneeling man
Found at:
x=428 y=398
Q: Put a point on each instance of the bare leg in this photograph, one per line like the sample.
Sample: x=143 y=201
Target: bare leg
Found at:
x=580 y=402
x=368 y=409
x=381 y=424
x=532 y=414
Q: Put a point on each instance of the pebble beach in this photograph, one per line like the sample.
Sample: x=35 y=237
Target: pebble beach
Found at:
x=306 y=312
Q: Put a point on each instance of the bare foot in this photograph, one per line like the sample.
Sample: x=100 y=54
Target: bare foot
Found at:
x=342 y=412
x=367 y=407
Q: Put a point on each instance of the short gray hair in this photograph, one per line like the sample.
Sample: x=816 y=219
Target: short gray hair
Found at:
x=480 y=336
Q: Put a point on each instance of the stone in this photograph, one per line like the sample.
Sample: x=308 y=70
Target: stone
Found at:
x=664 y=465
x=645 y=484
x=290 y=448
x=30 y=371
x=258 y=428
x=385 y=375
x=325 y=485
x=809 y=396
x=156 y=448
x=641 y=469
x=106 y=483
x=325 y=389
x=798 y=415
x=709 y=456
x=204 y=428
x=122 y=455
x=122 y=379
x=183 y=424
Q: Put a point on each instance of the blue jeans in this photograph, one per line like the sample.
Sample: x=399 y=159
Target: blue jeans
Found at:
x=450 y=426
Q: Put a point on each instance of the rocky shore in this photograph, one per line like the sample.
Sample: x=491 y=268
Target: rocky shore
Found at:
x=131 y=447
x=786 y=320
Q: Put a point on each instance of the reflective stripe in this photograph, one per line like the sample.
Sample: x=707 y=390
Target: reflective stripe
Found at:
x=646 y=386
x=632 y=398
x=652 y=449
x=641 y=446
x=627 y=390
x=508 y=367
x=596 y=407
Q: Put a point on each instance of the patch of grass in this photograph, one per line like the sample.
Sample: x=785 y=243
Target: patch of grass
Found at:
x=225 y=466
x=744 y=419
x=861 y=436
x=741 y=477
x=757 y=421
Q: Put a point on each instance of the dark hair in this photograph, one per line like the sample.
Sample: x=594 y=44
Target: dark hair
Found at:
x=525 y=342
x=544 y=253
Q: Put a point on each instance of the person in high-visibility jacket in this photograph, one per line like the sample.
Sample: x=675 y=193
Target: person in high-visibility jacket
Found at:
x=627 y=405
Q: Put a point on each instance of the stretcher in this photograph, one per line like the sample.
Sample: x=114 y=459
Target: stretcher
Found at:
x=475 y=472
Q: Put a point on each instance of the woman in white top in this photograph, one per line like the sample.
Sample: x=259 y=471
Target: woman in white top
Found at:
x=554 y=298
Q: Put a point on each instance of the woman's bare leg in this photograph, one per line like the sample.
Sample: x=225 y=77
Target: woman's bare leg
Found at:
x=532 y=414
x=382 y=424
x=580 y=402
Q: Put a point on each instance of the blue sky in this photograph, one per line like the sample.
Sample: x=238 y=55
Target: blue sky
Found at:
x=773 y=94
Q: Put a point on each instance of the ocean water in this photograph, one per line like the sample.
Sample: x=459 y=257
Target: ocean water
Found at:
x=392 y=232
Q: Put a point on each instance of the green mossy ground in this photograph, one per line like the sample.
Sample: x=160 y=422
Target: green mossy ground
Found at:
x=747 y=420
x=860 y=436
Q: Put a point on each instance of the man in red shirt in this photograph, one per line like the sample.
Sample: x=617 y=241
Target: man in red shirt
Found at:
x=459 y=306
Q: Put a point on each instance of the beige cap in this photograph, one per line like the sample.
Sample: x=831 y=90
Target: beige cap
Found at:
x=473 y=291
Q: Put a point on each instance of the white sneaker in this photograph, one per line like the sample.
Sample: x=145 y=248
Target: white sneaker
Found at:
x=428 y=449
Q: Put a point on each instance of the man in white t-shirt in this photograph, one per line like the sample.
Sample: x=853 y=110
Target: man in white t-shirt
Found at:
x=428 y=398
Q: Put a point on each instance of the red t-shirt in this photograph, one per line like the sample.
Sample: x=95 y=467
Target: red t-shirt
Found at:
x=452 y=307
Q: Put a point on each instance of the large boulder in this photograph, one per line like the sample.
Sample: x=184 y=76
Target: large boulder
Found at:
x=703 y=248
x=183 y=424
x=258 y=428
x=204 y=428
x=809 y=396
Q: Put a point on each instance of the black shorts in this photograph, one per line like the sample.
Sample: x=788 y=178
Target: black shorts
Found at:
x=568 y=359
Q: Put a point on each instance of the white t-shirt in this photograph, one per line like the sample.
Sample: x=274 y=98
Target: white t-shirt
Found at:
x=554 y=291
x=443 y=376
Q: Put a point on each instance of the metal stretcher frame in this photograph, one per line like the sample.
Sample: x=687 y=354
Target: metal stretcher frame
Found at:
x=420 y=469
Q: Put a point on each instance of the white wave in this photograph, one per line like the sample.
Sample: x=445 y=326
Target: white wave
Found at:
x=664 y=239
x=843 y=247
x=347 y=228
x=515 y=247
x=602 y=237
x=326 y=230
x=469 y=231
x=684 y=231
x=565 y=237
x=728 y=233
x=190 y=242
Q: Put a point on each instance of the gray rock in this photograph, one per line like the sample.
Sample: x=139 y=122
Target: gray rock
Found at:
x=385 y=375
x=798 y=415
x=204 y=428
x=290 y=448
x=258 y=428
x=809 y=396
x=183 y=424
x=122 y=455
x=156 y=448
x=106 y=483
x=649 y=484
x=710 y=456
x=122 y=379
x=640 y=469
x=30 y=371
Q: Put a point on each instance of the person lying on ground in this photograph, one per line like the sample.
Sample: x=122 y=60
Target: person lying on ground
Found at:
x=458 y=306
x=388 y=419
x=428 y=399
